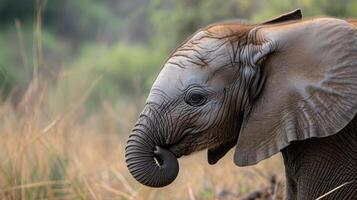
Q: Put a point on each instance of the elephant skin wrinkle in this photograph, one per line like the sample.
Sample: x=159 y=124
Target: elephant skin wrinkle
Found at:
x=316 y=166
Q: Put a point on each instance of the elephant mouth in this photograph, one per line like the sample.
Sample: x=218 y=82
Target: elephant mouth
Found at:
x=186 y=146
x=178 y=151
x=179 y=148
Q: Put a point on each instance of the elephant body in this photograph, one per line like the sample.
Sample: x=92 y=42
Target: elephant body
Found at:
x=329 y=163
x=318 y=165
x=286 y=85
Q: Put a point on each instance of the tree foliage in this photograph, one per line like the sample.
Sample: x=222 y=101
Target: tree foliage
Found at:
x=124 y=41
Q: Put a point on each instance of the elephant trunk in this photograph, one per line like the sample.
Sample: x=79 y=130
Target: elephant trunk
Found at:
x=148 y=161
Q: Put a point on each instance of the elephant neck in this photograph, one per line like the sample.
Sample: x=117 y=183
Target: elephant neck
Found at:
x=317 y=166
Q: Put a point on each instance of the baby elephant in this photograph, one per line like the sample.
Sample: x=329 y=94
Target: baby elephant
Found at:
x=287 y=85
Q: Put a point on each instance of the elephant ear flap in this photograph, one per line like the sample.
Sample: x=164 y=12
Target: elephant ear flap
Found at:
x=310 y=88
x=293 y=15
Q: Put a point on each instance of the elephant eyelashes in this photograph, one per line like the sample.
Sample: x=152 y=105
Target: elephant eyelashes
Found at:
x=195 y=99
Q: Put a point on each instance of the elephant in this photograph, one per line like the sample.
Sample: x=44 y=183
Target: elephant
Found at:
x=286 y=85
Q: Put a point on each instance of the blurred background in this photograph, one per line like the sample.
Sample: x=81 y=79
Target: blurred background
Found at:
x=75 y=74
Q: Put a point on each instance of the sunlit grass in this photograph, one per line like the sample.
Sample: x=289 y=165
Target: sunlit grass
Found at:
x=60 y=156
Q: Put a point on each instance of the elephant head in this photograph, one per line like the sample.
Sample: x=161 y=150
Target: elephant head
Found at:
x=256 y=87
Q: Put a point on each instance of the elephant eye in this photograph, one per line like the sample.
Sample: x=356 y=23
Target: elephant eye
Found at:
x=195 y=99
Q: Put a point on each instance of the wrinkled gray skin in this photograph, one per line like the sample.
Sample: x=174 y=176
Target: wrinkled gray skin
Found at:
x=285 y=85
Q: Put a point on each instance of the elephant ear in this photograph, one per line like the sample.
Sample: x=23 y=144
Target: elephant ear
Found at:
x=290 y=16
x=310 y=88
x=215 y=154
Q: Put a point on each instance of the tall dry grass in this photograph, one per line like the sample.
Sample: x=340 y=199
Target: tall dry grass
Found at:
x=47 y=155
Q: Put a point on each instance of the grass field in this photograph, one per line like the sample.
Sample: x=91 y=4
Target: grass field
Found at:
x=47 y=155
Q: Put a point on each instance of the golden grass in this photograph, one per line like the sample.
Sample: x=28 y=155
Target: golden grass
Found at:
x=60 y=156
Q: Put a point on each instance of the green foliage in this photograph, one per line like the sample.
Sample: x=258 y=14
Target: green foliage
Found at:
x=343 y=8
x=124 y=42
x=174 y=21
x=58 y=173
x=19 y=56
x=10 y=9
x=127 y=71
x=207 y=193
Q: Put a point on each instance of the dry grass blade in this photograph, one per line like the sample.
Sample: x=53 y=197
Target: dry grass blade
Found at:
x=123 y=181
x=333 y=190
x=22 y=47
x=116 y=192
x=190 y=192
x=51 y=125
x=32 y=185
x=84 y=97
x=90 y=189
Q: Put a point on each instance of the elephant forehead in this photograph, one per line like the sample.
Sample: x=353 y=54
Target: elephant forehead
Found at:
x=172 y=81
x=195 y=62
x=202 y=49
x=202 y=53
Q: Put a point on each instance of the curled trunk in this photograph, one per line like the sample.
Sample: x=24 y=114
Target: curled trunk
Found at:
x=149 y=163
